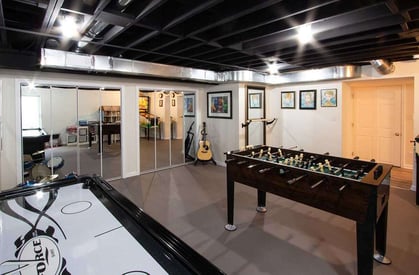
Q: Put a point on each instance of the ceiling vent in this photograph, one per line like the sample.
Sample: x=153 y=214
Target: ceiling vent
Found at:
x=382 y=66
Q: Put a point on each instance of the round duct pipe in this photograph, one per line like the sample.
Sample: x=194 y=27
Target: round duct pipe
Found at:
x=382 y=66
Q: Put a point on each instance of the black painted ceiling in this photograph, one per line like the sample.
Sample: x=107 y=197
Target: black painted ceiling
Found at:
x=213 y=34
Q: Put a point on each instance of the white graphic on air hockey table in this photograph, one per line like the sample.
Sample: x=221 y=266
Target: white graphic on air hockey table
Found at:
x=67 y=231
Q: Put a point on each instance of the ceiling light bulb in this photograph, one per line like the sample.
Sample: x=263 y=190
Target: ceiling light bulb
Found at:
x=69 y=27
x=305 y=35
x=273 y=68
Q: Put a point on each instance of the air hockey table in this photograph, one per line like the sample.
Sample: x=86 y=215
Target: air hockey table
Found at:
x=84 y=226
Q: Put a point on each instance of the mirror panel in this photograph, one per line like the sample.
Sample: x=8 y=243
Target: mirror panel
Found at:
x=147 y=134
x=63 y=156
x=88 y=139
x=161 y=113
x=176 y=128
x=189 y=126
x=111 y=133
x=35 y=122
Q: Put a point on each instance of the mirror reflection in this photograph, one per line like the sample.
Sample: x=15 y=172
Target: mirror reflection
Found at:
x=162 y=130
x=61 y=132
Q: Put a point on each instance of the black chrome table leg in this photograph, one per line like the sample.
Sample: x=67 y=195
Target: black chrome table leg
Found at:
x=261 y=202
x=381 y=238
x=230 y=206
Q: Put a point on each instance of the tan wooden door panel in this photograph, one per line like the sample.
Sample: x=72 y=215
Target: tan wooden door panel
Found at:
x=377 y=123
x=364 y=123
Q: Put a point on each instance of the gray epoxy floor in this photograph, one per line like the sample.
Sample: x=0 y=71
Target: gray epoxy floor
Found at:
x=290 y=238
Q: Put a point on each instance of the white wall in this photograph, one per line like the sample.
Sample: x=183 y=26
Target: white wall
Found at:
x=316 y=130
x=224 y=134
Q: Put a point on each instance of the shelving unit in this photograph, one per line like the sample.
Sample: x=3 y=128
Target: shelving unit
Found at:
x=78 y=135
x=111 y=114
x=83 y=135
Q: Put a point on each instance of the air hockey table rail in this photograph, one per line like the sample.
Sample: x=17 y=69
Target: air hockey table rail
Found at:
x=84 y=226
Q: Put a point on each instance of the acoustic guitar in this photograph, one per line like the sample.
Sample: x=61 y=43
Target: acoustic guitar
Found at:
x=204 y=152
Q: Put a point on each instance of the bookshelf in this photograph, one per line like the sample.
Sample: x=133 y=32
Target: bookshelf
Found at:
x=111 y=114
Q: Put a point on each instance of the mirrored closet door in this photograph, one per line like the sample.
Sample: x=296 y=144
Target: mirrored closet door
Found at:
x=162 y=136
x=63 y=132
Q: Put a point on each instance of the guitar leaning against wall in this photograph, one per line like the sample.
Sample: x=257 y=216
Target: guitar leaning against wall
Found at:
x=204 y=152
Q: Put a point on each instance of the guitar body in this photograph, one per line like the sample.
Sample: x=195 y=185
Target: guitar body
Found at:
x=204 y=151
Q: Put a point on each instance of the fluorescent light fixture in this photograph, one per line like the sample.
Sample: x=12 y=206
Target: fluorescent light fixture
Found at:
x=69 y=28
x=305 y=35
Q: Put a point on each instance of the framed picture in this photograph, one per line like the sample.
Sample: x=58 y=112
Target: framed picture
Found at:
x=308 y=99
x=219 y=104
x=189 y=105
x=288 y=100
x=255 y=100
x=144 y=104
x=173 y=102
x=328 y=98
x=161 y=103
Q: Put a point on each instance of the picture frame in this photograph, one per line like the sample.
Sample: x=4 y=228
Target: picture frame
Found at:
x=219 y=105
x=173 y=102
x=308 y=99
x=161 y=103
x=328 y=98
x=255 y=100
x=144 y=104
x=288 y=100
x=189 y=105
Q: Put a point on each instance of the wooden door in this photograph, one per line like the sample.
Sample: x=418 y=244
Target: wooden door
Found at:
x=377 y=123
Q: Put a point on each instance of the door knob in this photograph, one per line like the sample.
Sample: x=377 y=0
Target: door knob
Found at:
x=397 y=134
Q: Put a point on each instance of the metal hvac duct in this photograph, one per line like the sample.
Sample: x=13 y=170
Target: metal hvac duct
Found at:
x=382 y=66
x=106 y=64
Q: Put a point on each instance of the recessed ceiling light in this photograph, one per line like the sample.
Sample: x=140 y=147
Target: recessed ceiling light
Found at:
x=272 y=68
x=69 y=28
x=305 y=34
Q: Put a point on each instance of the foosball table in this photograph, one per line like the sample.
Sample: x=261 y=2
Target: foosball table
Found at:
x=351 y=188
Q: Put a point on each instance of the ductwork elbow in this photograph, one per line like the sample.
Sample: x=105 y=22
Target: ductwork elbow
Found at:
x=382 y=66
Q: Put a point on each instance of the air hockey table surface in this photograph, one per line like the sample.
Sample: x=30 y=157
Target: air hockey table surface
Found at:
x=84 y=226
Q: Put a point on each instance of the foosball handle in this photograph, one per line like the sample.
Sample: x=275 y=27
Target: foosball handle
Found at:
x=378 y=172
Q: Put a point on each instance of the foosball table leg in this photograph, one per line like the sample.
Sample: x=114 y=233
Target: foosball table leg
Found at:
x=261 y=208
x=381 y=238
x=230 y=206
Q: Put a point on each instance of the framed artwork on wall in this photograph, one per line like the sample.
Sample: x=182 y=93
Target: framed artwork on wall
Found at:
x=144 y=104
x=189 y=105
x=219 y=105
x=328 y=98
x=288 y=100
x=161 y=103
x=255 y=100
x=308 y=99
